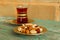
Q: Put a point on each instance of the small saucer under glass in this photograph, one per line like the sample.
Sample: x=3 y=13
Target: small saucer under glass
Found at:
x=15 y=22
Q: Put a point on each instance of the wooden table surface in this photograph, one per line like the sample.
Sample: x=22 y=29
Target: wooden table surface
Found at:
x=6 y=30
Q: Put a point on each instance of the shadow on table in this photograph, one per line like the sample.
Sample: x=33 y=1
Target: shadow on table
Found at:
x=26 y=37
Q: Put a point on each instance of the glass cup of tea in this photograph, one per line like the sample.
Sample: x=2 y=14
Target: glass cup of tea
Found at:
x=22 y=14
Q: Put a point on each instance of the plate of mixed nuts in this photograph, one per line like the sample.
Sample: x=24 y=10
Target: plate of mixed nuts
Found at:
x=30 y=29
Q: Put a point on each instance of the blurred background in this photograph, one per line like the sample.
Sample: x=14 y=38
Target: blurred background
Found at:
x=41 y=9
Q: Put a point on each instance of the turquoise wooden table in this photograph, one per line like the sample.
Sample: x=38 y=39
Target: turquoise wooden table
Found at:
x=6 y=30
